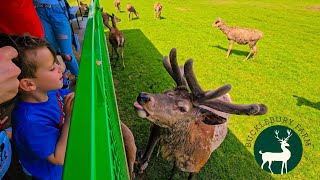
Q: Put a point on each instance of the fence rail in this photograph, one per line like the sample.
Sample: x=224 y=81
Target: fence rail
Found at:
x=95 y=147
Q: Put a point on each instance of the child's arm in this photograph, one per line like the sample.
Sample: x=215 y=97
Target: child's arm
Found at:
x=58 y=156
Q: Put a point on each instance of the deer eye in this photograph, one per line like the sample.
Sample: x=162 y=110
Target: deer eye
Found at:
x=182 y=109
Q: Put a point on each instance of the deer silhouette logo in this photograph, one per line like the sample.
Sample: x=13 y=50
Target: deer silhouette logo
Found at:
x=283 y=156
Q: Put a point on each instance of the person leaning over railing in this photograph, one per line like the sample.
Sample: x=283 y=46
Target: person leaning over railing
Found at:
x=41 y=117
x=8 y=89
x=54 y=18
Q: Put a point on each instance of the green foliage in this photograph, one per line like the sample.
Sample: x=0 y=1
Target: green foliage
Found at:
x=284 y=75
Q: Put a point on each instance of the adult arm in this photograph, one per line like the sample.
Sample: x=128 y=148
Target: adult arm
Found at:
x=9 y=72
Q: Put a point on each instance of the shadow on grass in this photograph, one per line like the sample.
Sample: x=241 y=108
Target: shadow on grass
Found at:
x=233 y=51
x=134 y=18
x=144 y=72
x=303 y=101
x=162 y=17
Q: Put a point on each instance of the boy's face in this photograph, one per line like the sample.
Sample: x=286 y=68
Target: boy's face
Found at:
x=49 y=73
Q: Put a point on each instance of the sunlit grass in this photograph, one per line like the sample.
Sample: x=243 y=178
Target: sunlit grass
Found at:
x=284 y=76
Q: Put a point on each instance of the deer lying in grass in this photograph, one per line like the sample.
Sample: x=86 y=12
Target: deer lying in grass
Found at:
x=189 y=126
x=157 y=10
x=116 y=37
x=117 y=5
x=130 y=148
x=131 y=9
x=241 y=36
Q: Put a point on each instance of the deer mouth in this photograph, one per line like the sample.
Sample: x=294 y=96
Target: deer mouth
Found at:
x=140 y=110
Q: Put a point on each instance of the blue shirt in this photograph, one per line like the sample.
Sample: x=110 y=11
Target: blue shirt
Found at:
x=36 y=130
x=5 y=152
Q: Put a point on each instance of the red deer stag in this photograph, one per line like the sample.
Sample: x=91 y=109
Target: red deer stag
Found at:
x=189 y=126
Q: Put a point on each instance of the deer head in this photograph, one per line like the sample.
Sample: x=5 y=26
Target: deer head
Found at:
x=218 y=22
x=107 y=17
x=181 y=106
x=283 y=141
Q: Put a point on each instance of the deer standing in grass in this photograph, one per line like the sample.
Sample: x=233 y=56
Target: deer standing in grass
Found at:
x=117 y=4
x=189 y=126
x=241 y=36
x=116 y=37
x=157 y=10
x=283 y=156
x=131 y=9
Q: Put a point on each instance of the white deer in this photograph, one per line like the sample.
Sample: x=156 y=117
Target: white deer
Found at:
x=283 y=156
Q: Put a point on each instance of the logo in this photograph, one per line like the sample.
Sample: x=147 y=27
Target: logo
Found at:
x=278 y=149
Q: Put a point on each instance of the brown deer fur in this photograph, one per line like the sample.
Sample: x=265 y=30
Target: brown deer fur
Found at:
x=131 y=9
x=157 y=10
x=130 y=148
x=240 y=35
x=189 y=126
x=117 y=4
x=84 y=8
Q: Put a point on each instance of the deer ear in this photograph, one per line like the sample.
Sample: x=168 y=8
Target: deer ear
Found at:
x=211 y=118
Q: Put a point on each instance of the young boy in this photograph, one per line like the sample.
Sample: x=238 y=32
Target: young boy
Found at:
x=42 y=114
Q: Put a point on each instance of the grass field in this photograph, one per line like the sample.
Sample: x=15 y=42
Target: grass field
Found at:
x=284 y=75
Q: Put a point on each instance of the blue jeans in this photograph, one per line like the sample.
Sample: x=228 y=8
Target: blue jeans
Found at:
x=58 y=33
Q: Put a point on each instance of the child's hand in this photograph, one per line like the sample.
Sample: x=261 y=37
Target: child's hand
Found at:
x=2 y=121
x=9 y=133
x=68 y=105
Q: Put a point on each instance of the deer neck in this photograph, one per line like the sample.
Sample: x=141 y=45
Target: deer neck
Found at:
x=108 y=26
x=224 y=28
x=182 y=128
x=175 y=137
x=285 y=149
x=114 y=24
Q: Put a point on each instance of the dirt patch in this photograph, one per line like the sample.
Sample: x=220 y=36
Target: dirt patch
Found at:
x=183 y=9
x=316 y=8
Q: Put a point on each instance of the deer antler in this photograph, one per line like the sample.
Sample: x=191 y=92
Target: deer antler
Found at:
x=289 y=135
x=277 y=132
x=209 y=98
x=173 y=68
x=240 y=109
x=195 y=88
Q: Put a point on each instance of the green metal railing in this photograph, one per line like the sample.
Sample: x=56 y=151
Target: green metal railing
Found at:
x=95 y=147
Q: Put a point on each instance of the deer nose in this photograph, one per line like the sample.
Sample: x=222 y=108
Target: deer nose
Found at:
x=143 y=98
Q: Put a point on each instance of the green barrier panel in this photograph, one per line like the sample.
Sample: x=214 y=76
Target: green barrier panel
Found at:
x=95 y=147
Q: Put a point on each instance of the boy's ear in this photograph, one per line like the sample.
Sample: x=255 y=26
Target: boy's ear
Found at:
x=27 y=84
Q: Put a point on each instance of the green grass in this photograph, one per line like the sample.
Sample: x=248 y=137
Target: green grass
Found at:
x=284 y=76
